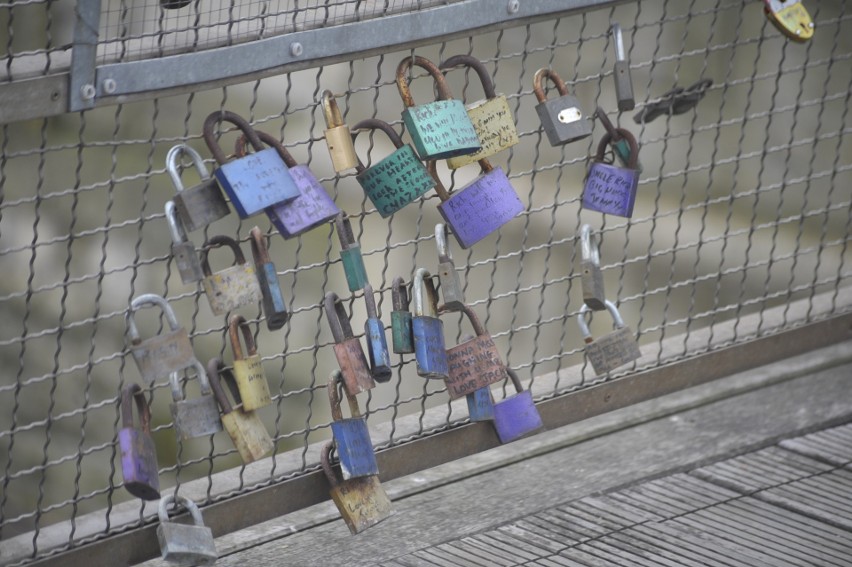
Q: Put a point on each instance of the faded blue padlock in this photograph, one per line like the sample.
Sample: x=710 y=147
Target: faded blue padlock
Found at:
x=441 y=129
x=312 y=208
x=254 y=182
x=430 y=351
x=401 y=334
x=374 y=329
x=480 y=404
x=516 y=416
x=397 y=180
x=610 y=189
x=351 y=436
x=350 y=254
x=274 y=306
x=479 y=208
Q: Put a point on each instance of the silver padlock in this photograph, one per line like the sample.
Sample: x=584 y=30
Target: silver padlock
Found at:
x=202 y=204
x=613 y=349
x=451 y=287
x=183 y=250
x=194 y=417
x=159 y=355
x=591 y=275
x=621 y=73
x=185 y=544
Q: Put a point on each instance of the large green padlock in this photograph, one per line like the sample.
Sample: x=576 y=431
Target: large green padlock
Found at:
x=440 y=129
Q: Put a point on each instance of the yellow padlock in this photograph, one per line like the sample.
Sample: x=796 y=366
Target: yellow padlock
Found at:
x=251 y=380
x=337 y=136
x=362 y=501
x=791 y=19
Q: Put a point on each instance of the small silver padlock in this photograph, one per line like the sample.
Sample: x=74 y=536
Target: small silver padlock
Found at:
x=451 y=287
x=613 y=349
x=590 y=268
x=185 y=544
x=198 y=416
x=183 y=250
x=159 y=355
x=202 y=204
x=232 y=287
x=621 y=73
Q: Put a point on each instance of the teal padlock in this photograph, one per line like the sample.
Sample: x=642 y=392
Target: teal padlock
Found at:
x=620 y=145
x=403 y=338
x=350 y=254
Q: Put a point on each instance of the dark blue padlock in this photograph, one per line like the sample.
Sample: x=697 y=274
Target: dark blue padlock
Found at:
x=516 y=416
x=430 y=350
x=610 y=189
x=274 y=306
x=350 y=254
x=374 y=329
x=351 y=436
x=256 y=181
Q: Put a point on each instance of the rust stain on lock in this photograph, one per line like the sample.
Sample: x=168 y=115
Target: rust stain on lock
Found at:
x=474 y=364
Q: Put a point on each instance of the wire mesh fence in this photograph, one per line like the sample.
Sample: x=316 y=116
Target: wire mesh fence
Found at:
x=743 y=205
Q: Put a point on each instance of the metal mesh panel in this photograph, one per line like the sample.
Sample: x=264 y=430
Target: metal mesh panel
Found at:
x=743 y=205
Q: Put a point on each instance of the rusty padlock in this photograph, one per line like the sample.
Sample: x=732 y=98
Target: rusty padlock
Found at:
x=138 y=453
x=232 y=287
x=160 y=355
x=561 y=117
x=473 y=364
x=248 y=368
x=362 y=502
x=201 y=204
x=347 y=348
x=194 y=417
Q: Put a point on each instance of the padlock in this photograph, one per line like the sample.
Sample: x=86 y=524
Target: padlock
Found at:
x=610 y=189
x=398 y=179
x=245 y=428
x=516 y=416
x=312 y=208
x=791 y=19
x=403 y=339
x=591 y=277
x=491 y=117
x=440 y=129
x=338 y=138
x=160 y=355
x=138 y=453
x=473 y=364
x=621 y=73
x=351 y=436
x=347 y=349
x=479 y=208
x=183 y=251
x=428 y=330
x=256 y=181
x=274 y=306
x=377 y=343
x=362 y=502
x=350 y=254
x=232 y=287
x=194 y=417
x=613 y=349
x=451 y=287
x=561 y=118
x=620 y=145
x=201 y=204
x=185 y=544
x=248 y=369
x=480 y=405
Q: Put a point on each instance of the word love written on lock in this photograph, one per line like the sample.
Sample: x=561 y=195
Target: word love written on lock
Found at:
x=138 y=453
x=613 y=349
x=250 y=377
x=351 y=436
x=561 y=118
x=160 y=355
x=610 y=189
x=195 y=417
x=185 y=544
x=232 y=287
x=362 y=502
x=401 y=333
x=473 y=364
x=347 y=348
x=591 y=277
x=338 y=138
x=516 y=416
x=183 y=251
x=428 y=330
x=201 y=204
x=274 y=306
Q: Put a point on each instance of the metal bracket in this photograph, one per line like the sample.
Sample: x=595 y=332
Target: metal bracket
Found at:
x=83 y=89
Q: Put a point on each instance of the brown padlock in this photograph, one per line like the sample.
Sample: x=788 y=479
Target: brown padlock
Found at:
x=362 y=501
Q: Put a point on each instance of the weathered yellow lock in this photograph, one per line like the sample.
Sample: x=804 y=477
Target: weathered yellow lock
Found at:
x=362 y=501
x=337 y=136
x=251 y=380
x=245 y=428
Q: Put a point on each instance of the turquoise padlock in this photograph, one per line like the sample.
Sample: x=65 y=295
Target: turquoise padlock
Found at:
x=350 y=254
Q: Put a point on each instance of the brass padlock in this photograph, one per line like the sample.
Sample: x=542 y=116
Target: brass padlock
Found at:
x=232 y=287
x=451 y=287
x=613 y=349
x=183 y=250
x=347 y=348
x=163 y=354
x=248 y=369
x=591 y=277
x=185 y=544
x=245 y=428
x=337 y=136
x=362 y=502
x=195 y=417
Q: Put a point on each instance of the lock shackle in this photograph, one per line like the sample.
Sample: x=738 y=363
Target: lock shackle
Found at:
x=600 y=114
x=399 y=295
x=464 y=60
x=516 y=381
x=148 y=299
x=344 y=231
x=478 y=329
x=203 y=382
x=607 y=139
x=334 y=387
x=173 y=159
x=619 y=42
x=130 y=393
x=370 y=300
x=269 y=140
x=176 y=228
x=325 y=462
x=589 y=250
x=216 y=372
x=333 y=117
x=375 y=124
x=402 y=81
x=538 y=87
x=444 y=254
x=259 y=251
x=216 y=242
x=220 y=116
x=617 y=321
x=341 y=328
x=432 y=167
x=235 y=325
x=192 y=508
x=423 y=277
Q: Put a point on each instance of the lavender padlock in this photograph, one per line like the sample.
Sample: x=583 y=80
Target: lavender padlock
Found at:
x=516 y=416
x=138 y=453
x=610 y=189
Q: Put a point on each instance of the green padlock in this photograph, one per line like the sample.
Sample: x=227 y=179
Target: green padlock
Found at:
x=350 y=254
x=401 y=332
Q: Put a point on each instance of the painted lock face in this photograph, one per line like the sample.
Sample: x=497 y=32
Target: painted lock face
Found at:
x=516 y=416
x=473 y=364
x=439 y=129
x=338 y=138
x=347 y=348
x=428 y=330
x=201 y=204
x=561 y=117
x=138 y=453
x=185 y=544
x=274 y=306
x=610 y=189
x=248 y=367
x=362 y=502
x=790 y=18
x=232 y=287
x=350 y=254
x=374 y=330
x=613 y=349
x=403 y=339
x=160 y=355
x=591 y=277
x=183 y=251
x=351 y=436
x=194 y=417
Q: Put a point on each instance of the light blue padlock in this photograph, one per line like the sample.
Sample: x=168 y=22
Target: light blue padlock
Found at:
x=351 y=436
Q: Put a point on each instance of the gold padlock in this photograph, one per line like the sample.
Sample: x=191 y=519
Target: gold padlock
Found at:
x=362 y=501
x=341 y=147
x=251 y=379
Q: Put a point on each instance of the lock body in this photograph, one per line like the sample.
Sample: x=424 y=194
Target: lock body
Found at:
x=251 y=382
x=492 y=120
x=184 y=544
x=481 y=207
x=593 y=285
x=353 y=267
x=196 y=417
x=380 y=363
x=312 y=208
x=200 y=205
x=161 y=355
x=248 y=434
x=623 y=86
x=257 y=181
x=612 y=350
x=188 y=264
x=451 y=287
x=401 y=333
x=429 y=347
x=562 y=120
x=353 y=364
x=231 y=288
x=473 y=364
x=395 y=181
x=340 y=148
x=362 y=502
x=516 y=417
x=354 y=448
x=139 y=463
x=272 y=299
x=480 y=406
x=610 y=189
x=792 y=20
x=441 y=129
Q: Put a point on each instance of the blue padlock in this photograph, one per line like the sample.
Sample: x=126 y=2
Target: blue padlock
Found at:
x=516 y=416
x=430 y=351
x=256 y=181
x=354 y=446
x=610 y=189
x=274 y=306
x=374 y=329
x=480 y=405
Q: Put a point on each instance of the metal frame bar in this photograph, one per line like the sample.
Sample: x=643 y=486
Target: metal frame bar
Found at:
x=81 y=88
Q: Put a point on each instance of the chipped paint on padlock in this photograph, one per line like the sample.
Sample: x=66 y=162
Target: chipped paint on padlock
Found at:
x=185 y=544
x=183 y=251
x=613 y=349
x=248 y=368
x=790 y=18
x=439 y=129
x=350 y=254
x=591 y=277
x=195 y=417
x=201 y=204
x=138 y=453
x=430 y=351
x=451 y=288
x=491 y=117
x=347 y=348
x=516 y=416
x=351 y=436
x=244 y=427
x=395 y=181
x=610 y=189
x=232 y=287
x=621 y=72
x=401 y=333
x=338 y=138
x=274 y=306
x=160 y=355
x=362 y=502
x=473 y=364
x=561 y=117
x=374 y=330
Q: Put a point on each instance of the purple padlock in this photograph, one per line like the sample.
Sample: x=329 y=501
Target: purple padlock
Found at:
x=610 y=189
x=312 y=208
x=517 y=416
x=138 y=453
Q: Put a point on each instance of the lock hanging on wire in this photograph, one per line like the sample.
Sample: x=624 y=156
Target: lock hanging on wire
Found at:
x=347 y=348
x=613 y=349
x=338 y=138
x=160 y=355
x=362 y=502
x=138 y=453
x=185 y=544
x=201 y=204
x=561 y=117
